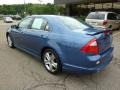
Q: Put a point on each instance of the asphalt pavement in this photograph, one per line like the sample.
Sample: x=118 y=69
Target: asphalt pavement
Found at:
x=21 y=71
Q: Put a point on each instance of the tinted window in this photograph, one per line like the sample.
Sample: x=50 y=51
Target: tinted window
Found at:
x=119 y=17
x=39 y=24
x=112 y=16
x=73 y=24
x=25 y=23
x=96 y=16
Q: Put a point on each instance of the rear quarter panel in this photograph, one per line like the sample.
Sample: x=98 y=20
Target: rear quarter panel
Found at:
x=68 y=47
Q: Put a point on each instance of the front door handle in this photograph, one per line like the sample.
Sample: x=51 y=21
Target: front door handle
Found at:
x=22 y=32
x=41 y=36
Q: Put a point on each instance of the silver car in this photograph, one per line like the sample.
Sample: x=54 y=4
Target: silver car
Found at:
x=103 y=20
x=8 y=19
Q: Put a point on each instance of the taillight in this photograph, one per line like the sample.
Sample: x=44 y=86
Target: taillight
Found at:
x=105 y=22
x=107 y=32
x=91 y=47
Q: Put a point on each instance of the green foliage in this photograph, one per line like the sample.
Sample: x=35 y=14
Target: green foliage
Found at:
x=81 y=18
x=29 y=9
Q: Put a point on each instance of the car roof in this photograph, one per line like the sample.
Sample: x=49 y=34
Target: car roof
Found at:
x=47 y=16
x=103 y=12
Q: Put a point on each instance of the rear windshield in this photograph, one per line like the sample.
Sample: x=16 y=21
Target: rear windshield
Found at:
x=96 y=16
x=73 y=24
x=112 y=16
x=8 y=17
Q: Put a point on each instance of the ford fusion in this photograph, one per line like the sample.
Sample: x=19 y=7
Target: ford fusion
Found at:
x=62 y=43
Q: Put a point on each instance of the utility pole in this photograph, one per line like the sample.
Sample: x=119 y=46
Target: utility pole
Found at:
x=24 y=8
x=40 y=1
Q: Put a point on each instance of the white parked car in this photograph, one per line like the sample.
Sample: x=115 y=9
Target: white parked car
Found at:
x=8 y=19
x=103 y=20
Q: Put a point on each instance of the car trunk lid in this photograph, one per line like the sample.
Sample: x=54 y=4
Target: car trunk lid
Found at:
x=104 y=39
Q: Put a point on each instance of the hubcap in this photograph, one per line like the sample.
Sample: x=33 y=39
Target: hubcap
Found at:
x=9 y=41
x=50 y=61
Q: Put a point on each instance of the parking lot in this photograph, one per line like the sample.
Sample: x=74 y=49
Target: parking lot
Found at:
x=20 y=71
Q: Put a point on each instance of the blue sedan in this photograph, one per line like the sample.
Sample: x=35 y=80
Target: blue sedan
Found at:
x=63 y=43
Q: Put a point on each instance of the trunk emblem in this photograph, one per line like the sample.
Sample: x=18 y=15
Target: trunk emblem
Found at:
x=98 y=62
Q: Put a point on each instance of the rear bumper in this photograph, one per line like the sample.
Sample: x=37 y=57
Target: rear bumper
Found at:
x=8 y=21
x=104 y=59
x=105 y=27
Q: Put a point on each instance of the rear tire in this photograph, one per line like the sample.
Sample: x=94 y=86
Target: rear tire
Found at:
x=10 y=42
x=119 y=28
x=51 y=61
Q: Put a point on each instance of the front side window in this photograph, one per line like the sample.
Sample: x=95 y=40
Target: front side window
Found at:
x=25 y=23
x=39 y=24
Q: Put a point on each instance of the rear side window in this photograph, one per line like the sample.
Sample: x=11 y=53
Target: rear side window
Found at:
x=112 y=16
x=37 y=23
x=96 y=16
x=40 y=24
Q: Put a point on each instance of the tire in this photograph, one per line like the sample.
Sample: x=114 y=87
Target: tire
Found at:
x=10 y=42
x=119 y=28
x=51 y=61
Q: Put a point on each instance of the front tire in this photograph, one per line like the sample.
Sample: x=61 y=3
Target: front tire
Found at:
x=51 y=61
x=10 y=42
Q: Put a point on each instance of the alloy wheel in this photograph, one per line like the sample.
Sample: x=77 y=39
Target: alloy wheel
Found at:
x=50 y=62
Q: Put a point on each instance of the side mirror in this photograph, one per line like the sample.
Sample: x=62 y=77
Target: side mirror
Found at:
x=15 y=26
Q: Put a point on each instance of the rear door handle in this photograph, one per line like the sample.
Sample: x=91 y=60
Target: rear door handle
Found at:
x=42 y=36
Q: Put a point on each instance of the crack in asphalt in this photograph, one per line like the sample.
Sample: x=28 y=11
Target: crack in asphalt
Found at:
x=58 y=85
x=55 y=84
x=116 y=61
x=39 y=83
x=95 y=82
x=91 y=79
x=84 y=82
x=23 y=68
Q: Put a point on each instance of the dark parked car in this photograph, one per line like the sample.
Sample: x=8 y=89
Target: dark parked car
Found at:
x=16 y=17
x=62 y=43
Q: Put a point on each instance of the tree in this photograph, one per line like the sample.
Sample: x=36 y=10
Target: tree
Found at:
x=30 y=8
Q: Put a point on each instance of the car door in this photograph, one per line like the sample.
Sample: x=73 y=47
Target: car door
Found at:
x=36 y=36
x=18 y=33
x=113 y=20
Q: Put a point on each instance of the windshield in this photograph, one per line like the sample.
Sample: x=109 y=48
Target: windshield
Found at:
x=8 y=17
x=73 y=24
